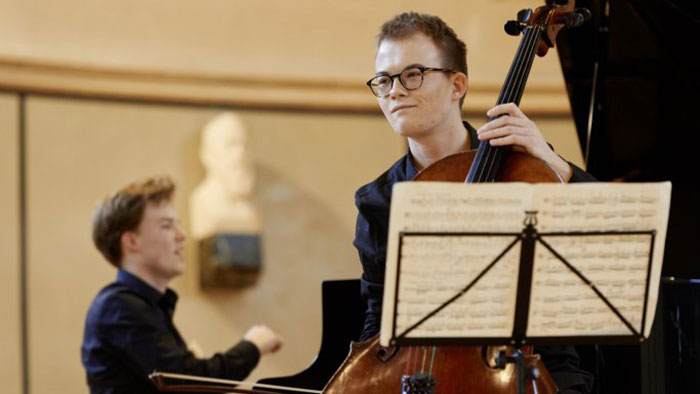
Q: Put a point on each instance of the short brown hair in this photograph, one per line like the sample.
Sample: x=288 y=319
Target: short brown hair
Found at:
x=123 y=211
x=454 y=50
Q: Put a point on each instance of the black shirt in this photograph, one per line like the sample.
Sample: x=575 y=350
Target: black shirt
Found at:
x=371 y=233
x=129 y=333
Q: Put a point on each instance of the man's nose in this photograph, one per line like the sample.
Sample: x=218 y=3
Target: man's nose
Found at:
x=397 y=87
x=180 y=234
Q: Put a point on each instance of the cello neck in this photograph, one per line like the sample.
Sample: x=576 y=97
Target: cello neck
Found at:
x=489 y=159
x=513 y=87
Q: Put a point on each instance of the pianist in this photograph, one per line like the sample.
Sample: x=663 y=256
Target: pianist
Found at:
x=129 y=330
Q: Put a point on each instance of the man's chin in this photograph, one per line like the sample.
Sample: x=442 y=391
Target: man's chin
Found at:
x=403 y=129
x=407 y=132
x=408 y=126
x=178 y=269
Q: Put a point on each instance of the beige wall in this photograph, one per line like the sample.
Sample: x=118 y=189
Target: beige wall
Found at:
x=10 y=357
x=303 y=39
x=305 y=53
x=308 y=167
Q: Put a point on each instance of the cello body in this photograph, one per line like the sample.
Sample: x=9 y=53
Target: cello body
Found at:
x=371 y=368
x=518 y=167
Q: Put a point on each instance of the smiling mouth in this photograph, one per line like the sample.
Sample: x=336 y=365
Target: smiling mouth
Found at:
x=397 y=109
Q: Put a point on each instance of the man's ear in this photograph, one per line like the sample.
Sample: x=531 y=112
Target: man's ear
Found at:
x=130 y=242
x=459 y=85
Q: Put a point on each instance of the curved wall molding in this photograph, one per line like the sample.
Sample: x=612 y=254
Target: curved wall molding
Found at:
x=243 y=91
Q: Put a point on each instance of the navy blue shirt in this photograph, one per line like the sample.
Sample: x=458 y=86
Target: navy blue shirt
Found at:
x=371 y=233
x=129 y=333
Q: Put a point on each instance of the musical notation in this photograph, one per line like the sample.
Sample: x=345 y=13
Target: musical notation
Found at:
x=451 y=263
x=434 y=268
x=610 y=266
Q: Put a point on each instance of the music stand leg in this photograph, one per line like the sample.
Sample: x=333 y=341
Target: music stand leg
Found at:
x=522 y=371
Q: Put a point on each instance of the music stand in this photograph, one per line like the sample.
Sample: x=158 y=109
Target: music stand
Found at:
x=528 y=240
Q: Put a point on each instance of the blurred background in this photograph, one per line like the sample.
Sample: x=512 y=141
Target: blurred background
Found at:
x=95 y=93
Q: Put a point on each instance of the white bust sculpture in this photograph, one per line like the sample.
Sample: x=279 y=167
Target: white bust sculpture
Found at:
x=221 y=203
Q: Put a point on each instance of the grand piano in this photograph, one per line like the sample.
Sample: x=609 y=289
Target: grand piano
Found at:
x=633 y=78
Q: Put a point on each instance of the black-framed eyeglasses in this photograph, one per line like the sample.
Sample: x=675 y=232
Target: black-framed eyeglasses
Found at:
x=411 y=78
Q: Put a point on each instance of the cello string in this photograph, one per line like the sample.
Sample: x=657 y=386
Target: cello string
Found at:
x=485 y=168
x=488 y=151
x=432 y=360
x=408 y=363
x=416 y=356
x=513 y=89
x=414 y=361
x=425 y=351
x=518 y=84
x=522 y=79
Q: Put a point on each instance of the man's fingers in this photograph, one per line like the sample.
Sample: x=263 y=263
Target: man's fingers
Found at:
x=501 y=132
x=511 y=139
x=508 y=108
x=503 y=121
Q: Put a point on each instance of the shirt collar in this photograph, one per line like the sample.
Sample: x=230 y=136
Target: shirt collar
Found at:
x=133 y=282
x=410 y=168
x=473 y=137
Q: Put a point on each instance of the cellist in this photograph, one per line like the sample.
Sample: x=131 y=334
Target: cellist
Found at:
x=420 y=85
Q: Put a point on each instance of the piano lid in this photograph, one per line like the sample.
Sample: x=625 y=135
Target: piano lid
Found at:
x=641 y=60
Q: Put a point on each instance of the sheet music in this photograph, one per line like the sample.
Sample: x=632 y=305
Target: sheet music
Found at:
x=452 y=262
x=563 y=305
x=434 y=268
x=616 y=264
x=442 y=207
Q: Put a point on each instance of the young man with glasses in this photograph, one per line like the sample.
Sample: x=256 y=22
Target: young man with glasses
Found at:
x=129 y=329
x=420 y=84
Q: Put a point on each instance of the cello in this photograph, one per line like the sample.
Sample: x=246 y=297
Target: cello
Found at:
x=371 y=368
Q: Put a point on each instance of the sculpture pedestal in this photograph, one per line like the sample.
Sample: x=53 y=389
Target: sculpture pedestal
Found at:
x=230 y=260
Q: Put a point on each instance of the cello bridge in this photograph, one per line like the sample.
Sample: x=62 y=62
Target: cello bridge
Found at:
x=418 y=383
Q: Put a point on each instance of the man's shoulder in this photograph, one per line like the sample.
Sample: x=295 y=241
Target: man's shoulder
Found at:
x=380 y=188
x=113 y=301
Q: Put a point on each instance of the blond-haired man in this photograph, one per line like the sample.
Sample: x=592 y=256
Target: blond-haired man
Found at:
x=420 y=85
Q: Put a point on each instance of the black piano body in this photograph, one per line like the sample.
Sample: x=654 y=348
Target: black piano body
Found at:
x=343 y=318
x=633 y=76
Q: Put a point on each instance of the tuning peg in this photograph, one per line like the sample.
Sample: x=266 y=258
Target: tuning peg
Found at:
x=576 y=18
x=585 y=12
x=524 y=15
x=514 y=28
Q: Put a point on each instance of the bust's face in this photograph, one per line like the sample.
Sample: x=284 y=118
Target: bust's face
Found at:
x=224 y=154
x=413 y=113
